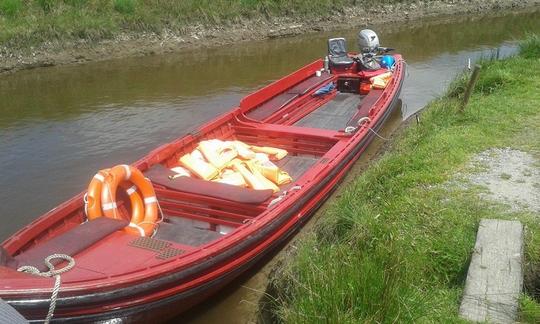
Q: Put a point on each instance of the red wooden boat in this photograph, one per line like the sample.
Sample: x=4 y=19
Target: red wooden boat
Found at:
x=210 y=232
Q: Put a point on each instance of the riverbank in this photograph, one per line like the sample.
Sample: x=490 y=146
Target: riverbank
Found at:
x=47 y=33
x=395 y=245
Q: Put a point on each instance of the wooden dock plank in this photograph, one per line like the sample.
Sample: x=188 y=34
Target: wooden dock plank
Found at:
x=495 y=277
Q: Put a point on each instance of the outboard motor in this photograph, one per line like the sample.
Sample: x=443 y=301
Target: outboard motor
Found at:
x=370 y=49
x=368 y=41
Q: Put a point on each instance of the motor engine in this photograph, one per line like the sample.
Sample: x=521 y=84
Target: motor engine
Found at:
x=368 y=41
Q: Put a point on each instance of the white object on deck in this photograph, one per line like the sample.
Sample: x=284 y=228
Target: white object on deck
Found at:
x=495 y=276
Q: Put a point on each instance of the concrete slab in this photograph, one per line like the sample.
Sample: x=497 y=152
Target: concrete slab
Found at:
x=495 y=276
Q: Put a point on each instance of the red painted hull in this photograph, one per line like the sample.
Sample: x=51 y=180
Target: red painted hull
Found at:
x=112 y=279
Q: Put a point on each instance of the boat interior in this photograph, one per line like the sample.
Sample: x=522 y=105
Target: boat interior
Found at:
x=289 y=114
x=286 y=114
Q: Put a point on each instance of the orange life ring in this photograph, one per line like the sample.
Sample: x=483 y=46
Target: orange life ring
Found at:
x=93 y=195
x=101 y=198
x=93 y=198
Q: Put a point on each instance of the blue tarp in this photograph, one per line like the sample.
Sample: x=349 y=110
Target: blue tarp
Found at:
x=325 y=89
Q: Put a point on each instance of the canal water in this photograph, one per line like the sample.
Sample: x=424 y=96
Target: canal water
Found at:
x=59 y=125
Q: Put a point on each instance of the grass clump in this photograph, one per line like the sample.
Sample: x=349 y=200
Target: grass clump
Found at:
x=46 y=5
x=124 y=6
x=10 y=8
x=395 y=246
x=494 y=77
x=530 y=48
x=530 y=310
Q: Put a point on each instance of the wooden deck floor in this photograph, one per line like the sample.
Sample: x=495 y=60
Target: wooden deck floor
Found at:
x=186 y=231
x=296 y=166
x=333 y=115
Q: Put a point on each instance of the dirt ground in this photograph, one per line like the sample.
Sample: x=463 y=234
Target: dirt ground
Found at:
x=141 y=44
x=510 y=176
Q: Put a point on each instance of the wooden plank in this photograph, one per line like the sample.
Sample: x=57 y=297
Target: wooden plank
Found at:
x=182 y=231
x=495 y=276
x=334 y=114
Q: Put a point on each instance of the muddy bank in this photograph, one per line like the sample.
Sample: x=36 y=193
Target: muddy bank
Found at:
x=141 y=44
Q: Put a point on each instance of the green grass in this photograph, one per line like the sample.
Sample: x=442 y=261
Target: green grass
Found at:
x=395 y=246
x=124 y=6
x=27 y=23
x=10 y=8
x=530 y=310
x=530 y=48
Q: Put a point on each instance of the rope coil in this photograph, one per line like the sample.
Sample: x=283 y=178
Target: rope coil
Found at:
x=52 y=272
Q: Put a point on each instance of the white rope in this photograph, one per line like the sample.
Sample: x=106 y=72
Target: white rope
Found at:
x=52 y=272
x=379 y=136
x=360 y=122
x=363 y=120
x=160 y=220
x=160 y=213
x=349 y=129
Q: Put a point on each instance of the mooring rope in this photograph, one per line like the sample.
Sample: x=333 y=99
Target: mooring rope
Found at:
x=379 y=136
x=52 y=272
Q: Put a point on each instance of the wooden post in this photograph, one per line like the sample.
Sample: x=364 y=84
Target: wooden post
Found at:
x=470 y=87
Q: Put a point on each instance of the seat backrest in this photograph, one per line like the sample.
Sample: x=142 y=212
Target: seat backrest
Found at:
x=159 y=175
x=337 y=47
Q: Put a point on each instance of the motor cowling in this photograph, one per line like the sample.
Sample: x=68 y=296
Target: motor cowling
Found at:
x=368 y=41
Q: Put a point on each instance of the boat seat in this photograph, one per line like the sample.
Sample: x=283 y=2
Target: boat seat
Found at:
x=71 y=242
x=337 y=53
x=159 y=174
x=365 y=105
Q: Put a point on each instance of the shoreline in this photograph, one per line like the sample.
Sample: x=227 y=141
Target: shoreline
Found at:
x=412 y=216
x=198 y=36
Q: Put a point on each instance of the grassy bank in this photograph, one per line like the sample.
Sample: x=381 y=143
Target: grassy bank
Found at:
x=395 y=246
x=30 y=22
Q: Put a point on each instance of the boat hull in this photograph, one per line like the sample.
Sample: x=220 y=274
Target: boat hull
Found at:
x=219 y=270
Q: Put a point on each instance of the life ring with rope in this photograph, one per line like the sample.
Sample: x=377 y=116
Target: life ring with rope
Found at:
x=101 y=198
